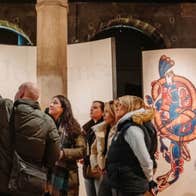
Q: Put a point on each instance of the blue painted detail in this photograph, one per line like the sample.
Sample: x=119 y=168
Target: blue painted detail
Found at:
x=22 y=35
x=20 y=40
x=164 y=66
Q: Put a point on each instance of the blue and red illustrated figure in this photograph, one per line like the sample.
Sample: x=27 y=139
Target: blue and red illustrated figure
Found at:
x=174 y=100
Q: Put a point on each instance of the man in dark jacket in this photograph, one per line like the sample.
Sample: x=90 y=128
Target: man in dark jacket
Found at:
x=6 y=144
x=36 y=137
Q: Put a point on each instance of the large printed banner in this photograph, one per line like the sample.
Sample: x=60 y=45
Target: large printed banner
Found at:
x=169 y=80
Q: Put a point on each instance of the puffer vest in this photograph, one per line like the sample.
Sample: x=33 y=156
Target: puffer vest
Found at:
x=123 y=168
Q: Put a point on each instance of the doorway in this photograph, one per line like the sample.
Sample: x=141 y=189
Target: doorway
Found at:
x=129 y=43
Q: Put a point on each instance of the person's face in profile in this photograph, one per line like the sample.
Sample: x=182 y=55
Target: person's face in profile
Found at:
x=55 y=108
x=95 y=112
x=121 y=110
x=108 y=118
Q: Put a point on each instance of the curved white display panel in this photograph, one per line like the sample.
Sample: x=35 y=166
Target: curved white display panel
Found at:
x=90 y=75
x=17 y=65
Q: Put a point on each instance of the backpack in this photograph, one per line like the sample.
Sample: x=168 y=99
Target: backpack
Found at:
x=153 y=141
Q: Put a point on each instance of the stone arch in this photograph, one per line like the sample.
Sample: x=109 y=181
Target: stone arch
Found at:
x=135 y=24
x=15 y=29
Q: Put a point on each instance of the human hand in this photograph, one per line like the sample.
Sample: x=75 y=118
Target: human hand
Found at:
x=96 y=170
x=81 y=161
x=61 y=154
x=156 y=155
x=153 y=188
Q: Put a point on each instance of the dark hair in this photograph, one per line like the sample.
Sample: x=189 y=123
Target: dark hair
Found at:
x=67 y=119
x=101 y=104
x=47 y=111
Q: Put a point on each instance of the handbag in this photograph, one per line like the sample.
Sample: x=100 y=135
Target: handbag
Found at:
x=26 y=177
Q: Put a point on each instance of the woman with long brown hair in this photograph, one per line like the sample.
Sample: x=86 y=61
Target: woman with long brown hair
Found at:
x=63 y=178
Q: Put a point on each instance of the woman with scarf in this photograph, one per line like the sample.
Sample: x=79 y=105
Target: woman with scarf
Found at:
x=63 y=178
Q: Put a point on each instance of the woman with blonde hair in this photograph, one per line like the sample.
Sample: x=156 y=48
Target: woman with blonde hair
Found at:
x=129 y=160
x=104 y=133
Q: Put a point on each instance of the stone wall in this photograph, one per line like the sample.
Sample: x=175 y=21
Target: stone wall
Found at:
x=22 y=15
x=175 y=22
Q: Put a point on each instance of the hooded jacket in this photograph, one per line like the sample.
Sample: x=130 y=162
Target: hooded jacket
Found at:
x=129 y=164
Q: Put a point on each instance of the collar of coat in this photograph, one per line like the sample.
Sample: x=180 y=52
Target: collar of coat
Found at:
x=33 y=104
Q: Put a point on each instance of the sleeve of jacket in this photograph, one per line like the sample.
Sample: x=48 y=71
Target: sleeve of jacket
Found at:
x=134 y=136
x=52 y=151
x=6 y=107
x=7 y=135
x=93 y=155
x=77 y=152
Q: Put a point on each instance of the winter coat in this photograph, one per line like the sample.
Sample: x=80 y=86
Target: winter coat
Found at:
x=129 y=164
x=73 y=147
x=6 y=143
x=36 y=137
x=99 y=148
x=89 y=139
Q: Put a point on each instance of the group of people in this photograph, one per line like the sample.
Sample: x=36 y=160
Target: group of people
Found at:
x=52 y=140
x=116 y=147
x=121 y=147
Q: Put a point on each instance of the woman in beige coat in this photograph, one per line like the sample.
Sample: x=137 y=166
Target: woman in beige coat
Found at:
x=104 y=133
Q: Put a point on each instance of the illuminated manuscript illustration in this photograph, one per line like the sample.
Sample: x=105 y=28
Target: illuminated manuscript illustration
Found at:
x=174 y=99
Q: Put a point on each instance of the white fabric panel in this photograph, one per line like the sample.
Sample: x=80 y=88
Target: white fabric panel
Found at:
x=89 y=75
x=17 y=65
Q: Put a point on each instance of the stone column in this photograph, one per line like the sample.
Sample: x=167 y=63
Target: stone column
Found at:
x=51 y=48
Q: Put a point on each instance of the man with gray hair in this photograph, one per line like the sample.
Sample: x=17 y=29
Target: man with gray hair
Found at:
x=36 y=137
